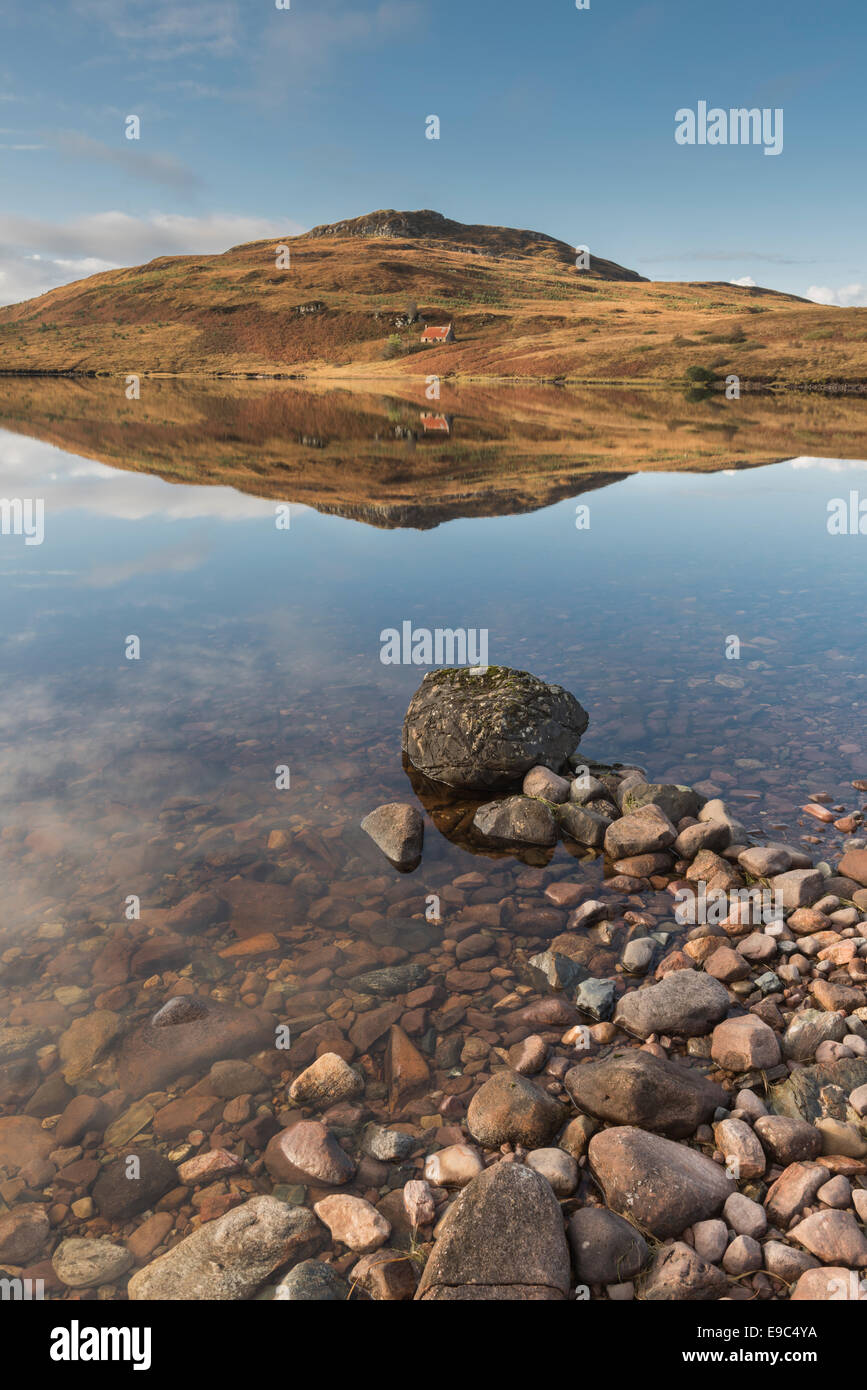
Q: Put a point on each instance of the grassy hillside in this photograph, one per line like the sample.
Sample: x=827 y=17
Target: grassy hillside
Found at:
x=520 y=307
x=368 y=456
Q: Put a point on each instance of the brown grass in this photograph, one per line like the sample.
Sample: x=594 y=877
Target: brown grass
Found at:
x=529 y=316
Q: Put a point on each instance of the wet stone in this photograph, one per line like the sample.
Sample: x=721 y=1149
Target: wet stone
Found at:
x=632 y=1087
x=487 y=731
x=124 y=1188
x=312 y=1281
x=231 y=1257
x=511 y=1109
x=191 y=1035
x=398 y=830
x=85 y=1264
x=685 y=1002
x=308 y=1152
x=662 y=1185
x=502 y=1239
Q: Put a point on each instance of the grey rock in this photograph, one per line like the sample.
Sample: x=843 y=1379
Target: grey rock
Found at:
x=596 y=999
x=547 y=785
x=676 y=802
x=641 y=832
x=312 y=1281
x=502 y=1239
x=686 y=1002
x=485 y=732
x=231 y=1257
x=586 y=789
x=714 y=835
x=550 y=968
x=583 y=824
x=808 y=1029
x=638 y=954
x=605 y=1248
x=804 y=1094
x=398 y=830
x=519 y=820
x=799 y=887
x=765 y=861
x=387 y=1145
x=85 y=1264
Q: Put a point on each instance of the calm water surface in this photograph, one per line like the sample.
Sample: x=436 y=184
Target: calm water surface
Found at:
x=260 y=647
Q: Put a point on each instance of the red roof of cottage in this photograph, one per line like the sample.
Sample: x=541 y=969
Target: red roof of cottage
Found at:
x=436 y=422
x=436 y=335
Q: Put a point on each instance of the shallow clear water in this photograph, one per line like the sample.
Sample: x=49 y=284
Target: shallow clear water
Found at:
x=260 y=649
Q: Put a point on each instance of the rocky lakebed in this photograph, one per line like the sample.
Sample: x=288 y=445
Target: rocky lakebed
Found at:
x=626 y=1061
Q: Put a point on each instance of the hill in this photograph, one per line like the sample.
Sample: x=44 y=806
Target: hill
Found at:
x=351 y=299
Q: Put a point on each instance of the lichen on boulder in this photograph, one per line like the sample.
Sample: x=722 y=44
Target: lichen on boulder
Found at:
x=483 y=730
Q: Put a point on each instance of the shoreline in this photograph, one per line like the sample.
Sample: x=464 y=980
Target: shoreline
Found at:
x=829 y=388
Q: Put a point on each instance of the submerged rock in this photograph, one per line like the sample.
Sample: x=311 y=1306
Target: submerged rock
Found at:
x=186 y=1034
x=230 y=1258
x=85 y=1264
x=486 y=731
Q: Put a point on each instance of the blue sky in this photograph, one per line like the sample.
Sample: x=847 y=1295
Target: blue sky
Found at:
x=257 y=121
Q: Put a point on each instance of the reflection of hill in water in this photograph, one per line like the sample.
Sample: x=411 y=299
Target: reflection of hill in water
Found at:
x=370 y=457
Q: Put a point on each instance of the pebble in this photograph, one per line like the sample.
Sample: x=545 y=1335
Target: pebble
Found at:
x=353 y=1222
x=85 y=1264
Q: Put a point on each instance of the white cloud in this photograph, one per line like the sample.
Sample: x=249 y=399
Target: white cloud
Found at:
x=301 y=46
x=166 y=29
x=153 y=168
x=746 y=281
x=846 y=297
x=34 y=468
x=36 y=256
x=828 y=465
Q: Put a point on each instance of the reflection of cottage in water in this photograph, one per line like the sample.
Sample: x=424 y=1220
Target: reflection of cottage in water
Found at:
x=436 y=424
x=445 y=334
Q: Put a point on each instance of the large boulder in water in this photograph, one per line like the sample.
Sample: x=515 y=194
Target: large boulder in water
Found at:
x=484 y=731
